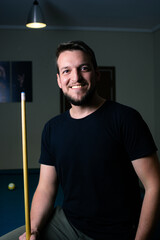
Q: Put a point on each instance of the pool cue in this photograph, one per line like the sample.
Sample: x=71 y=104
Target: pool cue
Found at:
x=25 y=166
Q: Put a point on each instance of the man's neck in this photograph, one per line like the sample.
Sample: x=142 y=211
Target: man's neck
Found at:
x=78 y=112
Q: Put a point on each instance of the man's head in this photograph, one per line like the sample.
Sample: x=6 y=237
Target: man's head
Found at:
x=77 y=72
x=76 y=45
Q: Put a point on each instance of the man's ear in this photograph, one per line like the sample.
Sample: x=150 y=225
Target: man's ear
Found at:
x=59 y=81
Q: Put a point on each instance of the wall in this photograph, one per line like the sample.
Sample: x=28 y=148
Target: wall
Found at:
x=157 y=86
x=130 y=53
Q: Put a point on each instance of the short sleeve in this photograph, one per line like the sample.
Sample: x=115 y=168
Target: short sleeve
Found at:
x=46 y=156
x=137 y=137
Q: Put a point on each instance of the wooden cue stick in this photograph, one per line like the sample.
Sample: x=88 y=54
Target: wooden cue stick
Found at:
x=25 y=167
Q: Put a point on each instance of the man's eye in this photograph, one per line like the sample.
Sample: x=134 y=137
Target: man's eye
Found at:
x=85 y=68
x=65 y=71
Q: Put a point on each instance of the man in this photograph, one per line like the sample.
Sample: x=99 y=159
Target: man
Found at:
x=95 y=151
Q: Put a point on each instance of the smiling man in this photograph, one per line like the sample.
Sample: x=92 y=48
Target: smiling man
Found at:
x=76 y=77
x=97 y=150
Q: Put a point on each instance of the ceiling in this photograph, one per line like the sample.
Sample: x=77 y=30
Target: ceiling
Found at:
x=127 y=15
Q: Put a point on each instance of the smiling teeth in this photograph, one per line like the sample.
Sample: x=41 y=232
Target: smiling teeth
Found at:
x=79 y=86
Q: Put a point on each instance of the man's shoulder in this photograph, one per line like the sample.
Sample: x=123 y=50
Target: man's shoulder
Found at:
x=58 y=119
x=119 y=108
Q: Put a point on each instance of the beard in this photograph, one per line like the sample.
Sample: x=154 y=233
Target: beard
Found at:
x=84 y=100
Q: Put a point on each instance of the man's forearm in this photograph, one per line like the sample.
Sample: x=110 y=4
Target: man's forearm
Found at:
x=149 y=214
x=41 y=209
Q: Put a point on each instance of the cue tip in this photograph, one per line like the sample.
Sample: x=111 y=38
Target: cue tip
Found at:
x=23 y=96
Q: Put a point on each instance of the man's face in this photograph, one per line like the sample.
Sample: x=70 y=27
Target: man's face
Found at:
x=77 y=77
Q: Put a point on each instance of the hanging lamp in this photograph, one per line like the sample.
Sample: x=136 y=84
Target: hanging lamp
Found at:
x=35 y=17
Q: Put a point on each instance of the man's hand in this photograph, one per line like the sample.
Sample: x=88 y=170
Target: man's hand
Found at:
x=34 y=236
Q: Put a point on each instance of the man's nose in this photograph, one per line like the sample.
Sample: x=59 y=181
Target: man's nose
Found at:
x=76 y=75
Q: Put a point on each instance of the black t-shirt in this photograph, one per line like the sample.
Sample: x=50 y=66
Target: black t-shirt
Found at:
x=93 y=159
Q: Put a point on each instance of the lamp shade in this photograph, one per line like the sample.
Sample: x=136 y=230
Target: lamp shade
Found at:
x=35 y=17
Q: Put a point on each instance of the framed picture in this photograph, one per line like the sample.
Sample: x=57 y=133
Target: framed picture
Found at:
x=21 y=80
x=15 y=77
x=105 y=87
x=5 y=94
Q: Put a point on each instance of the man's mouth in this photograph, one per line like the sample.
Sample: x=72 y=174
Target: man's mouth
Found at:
x=76 y=86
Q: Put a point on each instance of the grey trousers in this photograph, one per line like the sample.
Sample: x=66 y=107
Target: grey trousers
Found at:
x=58 y=228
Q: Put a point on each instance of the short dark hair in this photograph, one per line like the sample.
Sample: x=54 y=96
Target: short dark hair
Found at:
x=76 y=45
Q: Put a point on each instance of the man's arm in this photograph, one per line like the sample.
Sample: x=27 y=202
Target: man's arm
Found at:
x=43 y=200
x=148 y=171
